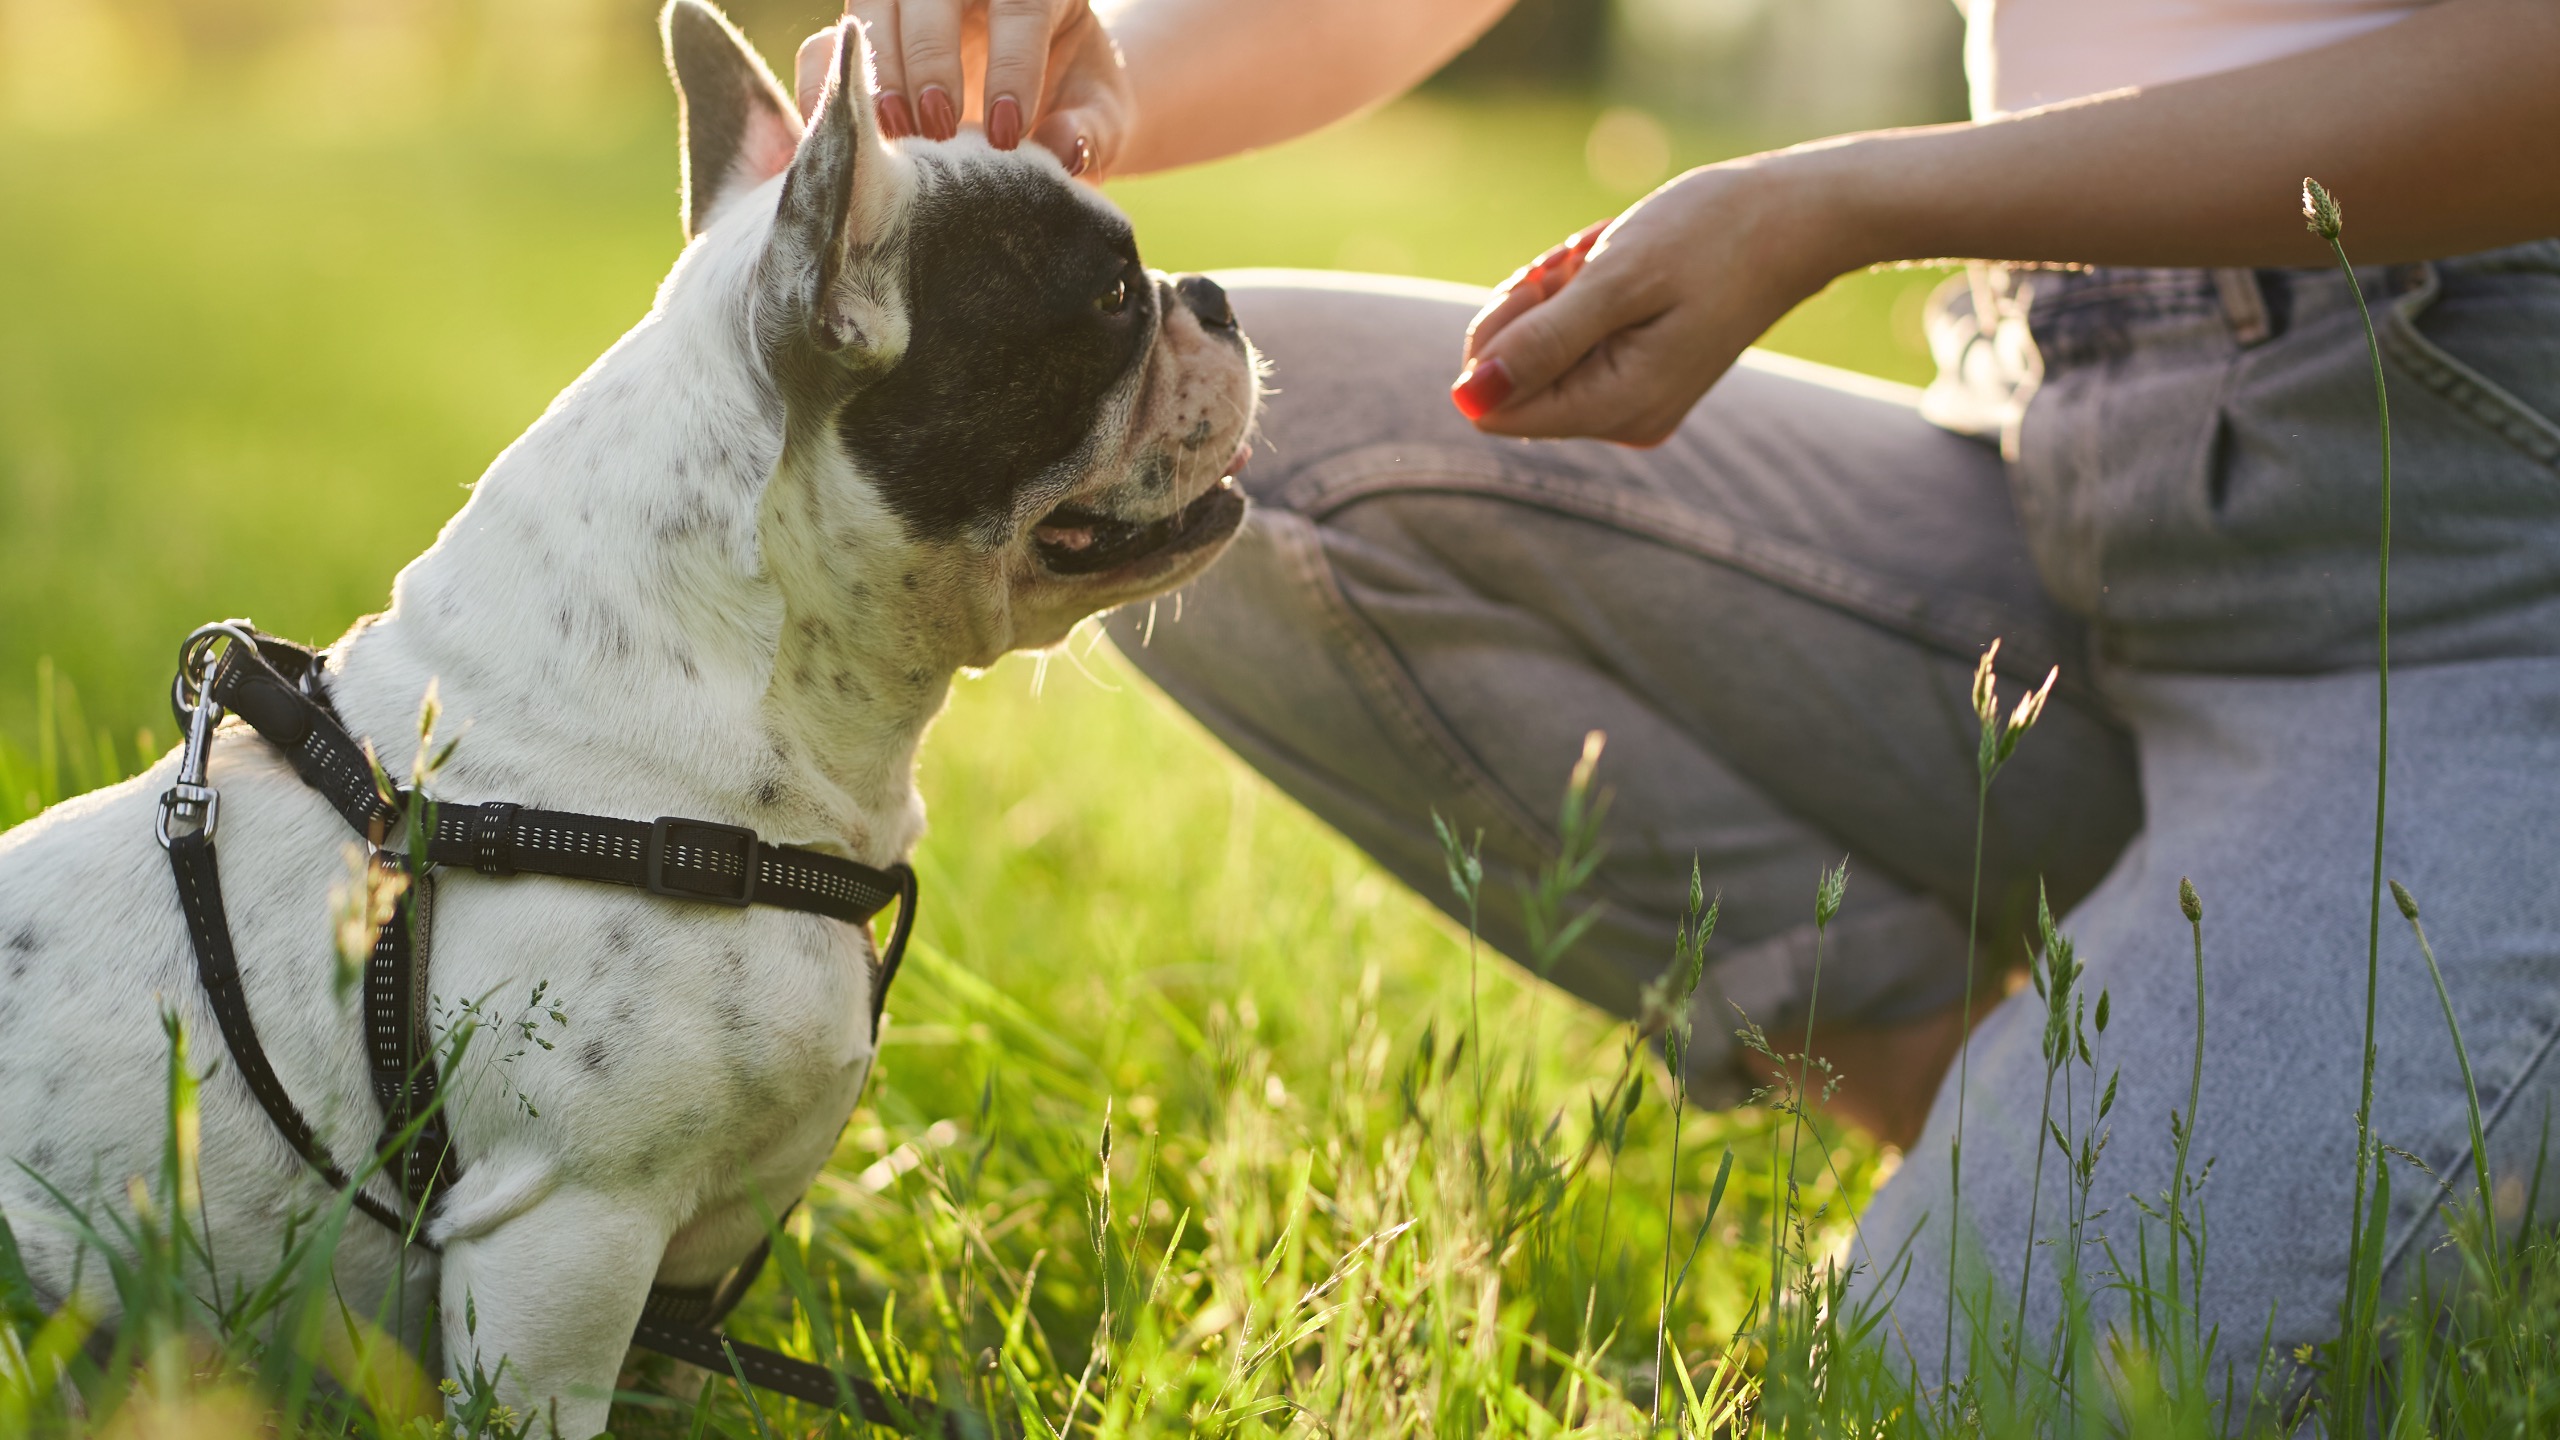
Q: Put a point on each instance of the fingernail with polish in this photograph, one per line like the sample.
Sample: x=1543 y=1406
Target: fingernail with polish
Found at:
x=1082 y=159
x=934 y=108
x=1004 y=122
x=1482 y=389
x=896 y=121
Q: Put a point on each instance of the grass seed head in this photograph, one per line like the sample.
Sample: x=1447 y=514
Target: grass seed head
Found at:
x=2321 y=211
x=1592 y=743
x=2023 y=719
x=2031 y=709
x=359 y=906
x=2407 y=902
x=2188 y=904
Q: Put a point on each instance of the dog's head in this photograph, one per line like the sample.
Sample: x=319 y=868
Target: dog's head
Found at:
x=986 y=396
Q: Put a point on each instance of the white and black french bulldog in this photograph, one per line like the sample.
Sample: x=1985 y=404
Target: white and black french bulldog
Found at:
x=898 y=409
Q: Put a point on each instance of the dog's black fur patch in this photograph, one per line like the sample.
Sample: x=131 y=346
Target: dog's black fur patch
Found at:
x=1011 y=348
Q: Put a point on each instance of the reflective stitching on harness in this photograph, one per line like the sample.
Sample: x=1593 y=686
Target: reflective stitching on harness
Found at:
x=694 y=857
x=578 y=842
x=832 y=887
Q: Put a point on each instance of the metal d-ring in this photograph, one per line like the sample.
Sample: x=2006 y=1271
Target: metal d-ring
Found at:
x=189 y=802
x=196 y=660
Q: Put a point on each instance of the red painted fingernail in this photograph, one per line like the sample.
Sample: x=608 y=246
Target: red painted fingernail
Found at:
x=934 y=107
x=1082 y=159
x=1004 y=123
x=1482 y=389
x=896 y=121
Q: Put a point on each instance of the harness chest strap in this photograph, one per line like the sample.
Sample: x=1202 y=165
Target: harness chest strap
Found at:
x=275 y=687
x=191 y=860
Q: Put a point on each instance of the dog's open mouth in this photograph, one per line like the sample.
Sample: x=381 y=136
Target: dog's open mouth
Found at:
x=1075 y=541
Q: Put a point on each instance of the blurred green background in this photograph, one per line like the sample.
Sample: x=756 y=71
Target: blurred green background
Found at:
x=278 y=279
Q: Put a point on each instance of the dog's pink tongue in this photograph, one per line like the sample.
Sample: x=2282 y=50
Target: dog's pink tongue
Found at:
x=1243 y=456
x=1065 y=537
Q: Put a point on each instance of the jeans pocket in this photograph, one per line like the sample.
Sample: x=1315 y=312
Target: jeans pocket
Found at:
x=2436 y=362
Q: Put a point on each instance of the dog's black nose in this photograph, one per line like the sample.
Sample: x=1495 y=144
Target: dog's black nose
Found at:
x=1206 y=301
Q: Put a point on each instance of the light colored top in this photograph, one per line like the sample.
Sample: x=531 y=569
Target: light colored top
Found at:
x=2023 y=53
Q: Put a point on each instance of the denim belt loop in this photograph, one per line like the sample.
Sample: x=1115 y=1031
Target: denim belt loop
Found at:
x=2244 y=304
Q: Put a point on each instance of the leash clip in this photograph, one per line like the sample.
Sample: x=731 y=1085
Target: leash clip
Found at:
x=190 y=806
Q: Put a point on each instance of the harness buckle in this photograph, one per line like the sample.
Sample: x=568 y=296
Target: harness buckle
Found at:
x=187 y=810
x=704 y=852
x=190 y=806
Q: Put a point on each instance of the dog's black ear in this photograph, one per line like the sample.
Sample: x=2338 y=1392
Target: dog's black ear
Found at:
x=739 y=128
x=839 y=207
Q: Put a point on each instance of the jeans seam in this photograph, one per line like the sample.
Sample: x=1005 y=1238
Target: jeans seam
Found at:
x=1958 y=625
x=1388 y=683
x=2476 y=396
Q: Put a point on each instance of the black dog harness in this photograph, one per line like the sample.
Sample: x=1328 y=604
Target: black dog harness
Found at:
x=276 y=687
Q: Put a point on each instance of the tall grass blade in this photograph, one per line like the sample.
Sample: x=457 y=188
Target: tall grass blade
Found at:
x=2324 y=218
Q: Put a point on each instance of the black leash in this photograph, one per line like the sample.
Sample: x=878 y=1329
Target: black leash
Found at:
x=275 y=686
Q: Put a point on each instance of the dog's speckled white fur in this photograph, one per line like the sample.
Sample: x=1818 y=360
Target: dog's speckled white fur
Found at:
x=672 y=596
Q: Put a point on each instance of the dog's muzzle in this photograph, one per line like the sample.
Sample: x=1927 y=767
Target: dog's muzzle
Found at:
x=1072 y=540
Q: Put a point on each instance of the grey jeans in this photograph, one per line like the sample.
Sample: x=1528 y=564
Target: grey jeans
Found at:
x=2172 y=494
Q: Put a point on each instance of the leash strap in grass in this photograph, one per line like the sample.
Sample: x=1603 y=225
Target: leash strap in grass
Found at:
x=801 y=1380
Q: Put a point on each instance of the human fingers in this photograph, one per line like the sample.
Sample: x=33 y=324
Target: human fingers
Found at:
x=1070 y=136
x=888 y=66
x=930 y=62
x=810 y=68
x=1671 y=337
x=1514 y=298
x=1530 y=286
x=1089 y=114
x=1018 y=52
x=1634 y=387
x=1546 y=339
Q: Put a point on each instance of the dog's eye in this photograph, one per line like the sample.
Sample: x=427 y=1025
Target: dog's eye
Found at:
x=1115 y=299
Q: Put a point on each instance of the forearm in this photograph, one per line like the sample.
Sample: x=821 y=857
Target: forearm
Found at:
x=2441 y=134
x=1215 y=77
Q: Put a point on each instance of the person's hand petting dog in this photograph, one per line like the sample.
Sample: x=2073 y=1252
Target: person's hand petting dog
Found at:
x=1615 y=333
x=1037 y=70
